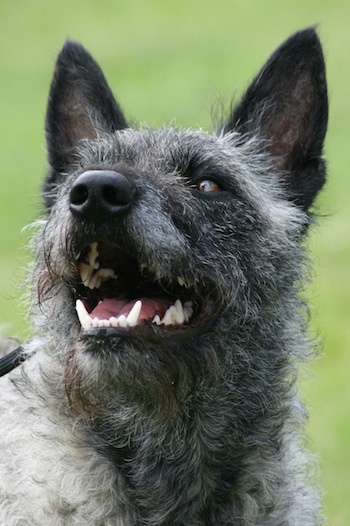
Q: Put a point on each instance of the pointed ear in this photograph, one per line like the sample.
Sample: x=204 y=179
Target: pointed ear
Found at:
x=80 y=104
x=286 y=105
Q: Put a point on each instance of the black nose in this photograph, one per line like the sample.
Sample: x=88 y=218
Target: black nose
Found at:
x=100 y=194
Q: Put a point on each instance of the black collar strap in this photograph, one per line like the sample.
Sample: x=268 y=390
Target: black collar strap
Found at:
x=12 y=360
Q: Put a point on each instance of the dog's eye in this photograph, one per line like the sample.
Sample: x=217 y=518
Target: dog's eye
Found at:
x=207 y=185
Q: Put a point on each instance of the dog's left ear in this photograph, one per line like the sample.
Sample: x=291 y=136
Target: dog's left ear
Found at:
x=80 y=105
x=286 y=105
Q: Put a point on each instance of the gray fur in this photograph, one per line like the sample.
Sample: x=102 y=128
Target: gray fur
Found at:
x=206 y=430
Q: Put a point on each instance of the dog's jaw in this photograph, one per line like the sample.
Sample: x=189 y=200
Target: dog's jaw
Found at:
x=125 y=301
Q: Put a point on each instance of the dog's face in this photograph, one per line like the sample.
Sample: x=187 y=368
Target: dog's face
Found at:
x=162 y=250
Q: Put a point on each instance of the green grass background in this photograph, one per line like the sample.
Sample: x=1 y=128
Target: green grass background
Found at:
x=174 y=59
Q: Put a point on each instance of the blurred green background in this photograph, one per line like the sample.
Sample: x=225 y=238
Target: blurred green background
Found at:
x=171 y=60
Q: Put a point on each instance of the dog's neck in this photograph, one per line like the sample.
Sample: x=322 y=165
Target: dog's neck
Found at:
x=194 y=465
x=177 y=469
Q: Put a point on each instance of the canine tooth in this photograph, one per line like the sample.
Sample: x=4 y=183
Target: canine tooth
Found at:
x=83 y=315
x=122 y=321
x=180 y=311
x=167 y=318
x=134 y=314
x=92 y=254
x=175 y=315
x=85 y=272
x=156 y=320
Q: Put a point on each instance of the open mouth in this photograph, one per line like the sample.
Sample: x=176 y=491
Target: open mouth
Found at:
x=118 y=295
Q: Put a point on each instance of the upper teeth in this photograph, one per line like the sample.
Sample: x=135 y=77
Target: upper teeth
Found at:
x=182 y=282
x=93 y=255
x=176 y=314
x=91 y=275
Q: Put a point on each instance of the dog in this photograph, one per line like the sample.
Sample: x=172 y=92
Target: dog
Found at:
x=168 y=311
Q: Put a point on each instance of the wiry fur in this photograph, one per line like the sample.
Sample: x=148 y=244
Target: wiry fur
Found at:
x=204 y=430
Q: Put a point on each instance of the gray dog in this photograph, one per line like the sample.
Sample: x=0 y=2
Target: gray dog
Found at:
x=168 y=311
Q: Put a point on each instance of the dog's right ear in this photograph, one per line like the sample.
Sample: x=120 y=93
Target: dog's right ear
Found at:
x=80 y=105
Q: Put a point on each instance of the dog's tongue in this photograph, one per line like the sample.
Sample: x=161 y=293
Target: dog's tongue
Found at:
x=118 y=307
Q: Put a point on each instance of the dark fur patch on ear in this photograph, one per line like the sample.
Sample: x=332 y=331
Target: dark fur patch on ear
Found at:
x=287 y=106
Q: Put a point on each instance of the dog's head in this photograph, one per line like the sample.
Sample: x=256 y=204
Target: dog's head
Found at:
x=164 y=250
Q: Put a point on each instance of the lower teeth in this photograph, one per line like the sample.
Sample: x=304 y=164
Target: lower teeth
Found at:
x=176 y=314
